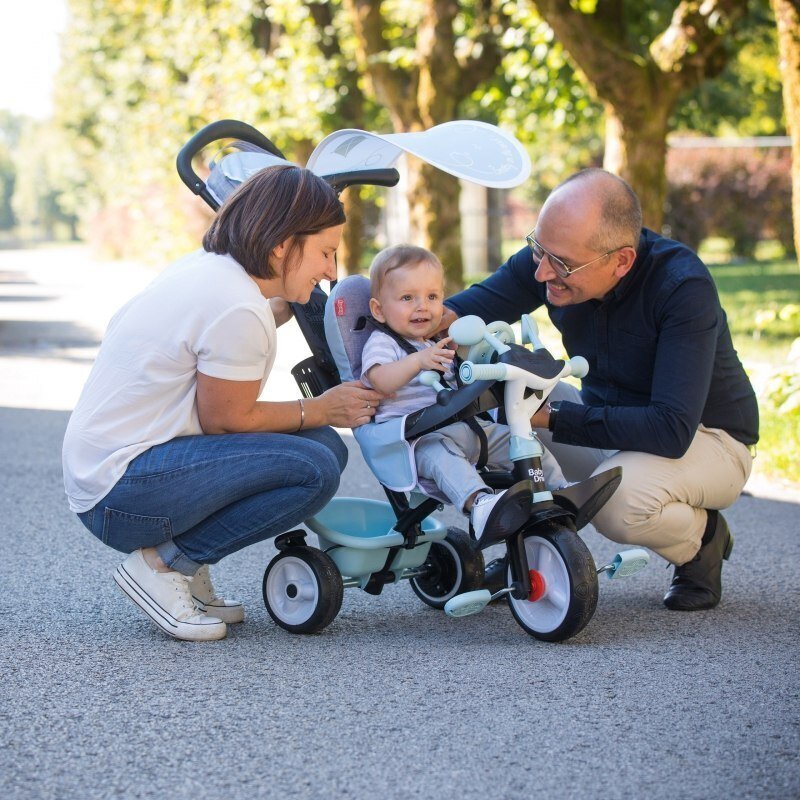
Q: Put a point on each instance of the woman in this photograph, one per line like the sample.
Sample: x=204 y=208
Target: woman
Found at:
x=169 y=455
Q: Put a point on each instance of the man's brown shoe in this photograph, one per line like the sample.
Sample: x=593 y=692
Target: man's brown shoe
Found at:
x=697 y=584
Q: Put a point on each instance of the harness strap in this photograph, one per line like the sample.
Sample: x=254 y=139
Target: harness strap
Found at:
x=402 y=343
x=405 y=345
x=476 y=428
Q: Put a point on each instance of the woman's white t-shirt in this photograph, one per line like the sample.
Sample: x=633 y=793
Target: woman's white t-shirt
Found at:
x=203 y=313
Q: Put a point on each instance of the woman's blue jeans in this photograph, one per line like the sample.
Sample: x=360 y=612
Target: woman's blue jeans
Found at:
x=197 y=499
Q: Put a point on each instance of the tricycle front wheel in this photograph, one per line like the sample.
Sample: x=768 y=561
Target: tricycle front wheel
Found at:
x=563 y=586
x=302 y=589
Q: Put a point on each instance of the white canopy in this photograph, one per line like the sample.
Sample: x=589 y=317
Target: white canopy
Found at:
x=474 y=151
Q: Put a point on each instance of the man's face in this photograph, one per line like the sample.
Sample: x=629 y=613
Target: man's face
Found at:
x=566 y=224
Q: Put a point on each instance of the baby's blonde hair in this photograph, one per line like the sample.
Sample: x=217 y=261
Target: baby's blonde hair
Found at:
x=397 y=257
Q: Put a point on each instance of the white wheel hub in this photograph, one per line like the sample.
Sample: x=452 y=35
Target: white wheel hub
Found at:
x=292 y=590
x=548 y=612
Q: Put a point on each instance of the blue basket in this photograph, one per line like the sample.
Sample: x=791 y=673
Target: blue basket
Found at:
x=357 y=534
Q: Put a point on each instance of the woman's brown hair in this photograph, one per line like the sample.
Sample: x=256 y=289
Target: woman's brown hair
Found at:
x=275 y=205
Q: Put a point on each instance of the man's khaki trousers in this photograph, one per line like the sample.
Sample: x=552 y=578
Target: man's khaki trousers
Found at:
x=661 y=502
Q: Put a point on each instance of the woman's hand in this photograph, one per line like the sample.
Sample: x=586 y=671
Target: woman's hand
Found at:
x=348 y=405
x=438 y=357
x=225 y=406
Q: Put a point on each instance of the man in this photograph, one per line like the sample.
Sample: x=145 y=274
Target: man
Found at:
x=666 y=397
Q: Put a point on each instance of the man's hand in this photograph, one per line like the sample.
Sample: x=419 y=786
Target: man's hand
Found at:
x=541 y=419
x=448 y=318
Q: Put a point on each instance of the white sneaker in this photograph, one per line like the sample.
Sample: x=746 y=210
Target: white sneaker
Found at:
x=206 y=599
x=165 y=598
x=481 y=510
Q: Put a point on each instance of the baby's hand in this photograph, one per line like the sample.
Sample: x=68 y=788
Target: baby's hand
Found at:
x=438 y=357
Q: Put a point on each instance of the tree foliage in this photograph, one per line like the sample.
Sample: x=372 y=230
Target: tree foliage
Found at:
x=140 y=76
x=10 y=133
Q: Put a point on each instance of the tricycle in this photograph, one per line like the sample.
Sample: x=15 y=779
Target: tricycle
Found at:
x=547 y=575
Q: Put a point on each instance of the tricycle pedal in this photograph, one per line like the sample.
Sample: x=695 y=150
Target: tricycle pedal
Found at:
x=626 y=563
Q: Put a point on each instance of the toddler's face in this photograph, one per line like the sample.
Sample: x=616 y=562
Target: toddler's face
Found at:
x=410 y=300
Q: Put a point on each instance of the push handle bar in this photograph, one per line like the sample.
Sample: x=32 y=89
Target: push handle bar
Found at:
x=369 y=177
x=222 y=129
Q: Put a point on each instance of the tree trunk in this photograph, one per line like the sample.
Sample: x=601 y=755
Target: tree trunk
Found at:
x=636 y=150
x=435 y=217
x=787 y=16
x=640 y=89
x=351 y=249
x=426 y=93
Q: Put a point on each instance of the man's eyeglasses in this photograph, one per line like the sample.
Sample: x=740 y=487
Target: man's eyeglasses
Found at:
x=559 y=267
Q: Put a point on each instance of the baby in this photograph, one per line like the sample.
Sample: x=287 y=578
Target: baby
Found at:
x=407 y=294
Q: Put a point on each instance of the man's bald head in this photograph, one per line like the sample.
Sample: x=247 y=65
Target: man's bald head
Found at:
x=609 y=209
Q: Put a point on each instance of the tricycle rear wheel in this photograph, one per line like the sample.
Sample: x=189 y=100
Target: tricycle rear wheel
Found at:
x=453 y=566
x=302 y=589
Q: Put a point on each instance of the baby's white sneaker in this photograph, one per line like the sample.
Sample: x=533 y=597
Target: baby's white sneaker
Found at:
x=481 y=511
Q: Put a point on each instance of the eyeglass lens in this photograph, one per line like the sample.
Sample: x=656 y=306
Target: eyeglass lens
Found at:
x=558 y=266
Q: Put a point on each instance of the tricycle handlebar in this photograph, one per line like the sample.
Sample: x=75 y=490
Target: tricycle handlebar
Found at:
x=471 y=372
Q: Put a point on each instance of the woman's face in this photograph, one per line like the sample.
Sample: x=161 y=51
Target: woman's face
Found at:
x=316 y=263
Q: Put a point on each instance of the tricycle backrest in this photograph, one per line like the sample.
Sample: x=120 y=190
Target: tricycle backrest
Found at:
x=345 y=332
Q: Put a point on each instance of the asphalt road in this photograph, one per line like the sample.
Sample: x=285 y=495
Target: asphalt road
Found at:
x=393 y=700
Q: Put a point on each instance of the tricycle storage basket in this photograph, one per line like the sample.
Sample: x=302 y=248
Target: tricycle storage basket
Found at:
x=370 y=533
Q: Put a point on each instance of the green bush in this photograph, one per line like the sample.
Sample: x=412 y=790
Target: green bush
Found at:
x=743 y=194
x=780 y=414
x=782 y=391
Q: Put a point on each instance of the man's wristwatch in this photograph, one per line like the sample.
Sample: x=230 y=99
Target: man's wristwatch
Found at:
x=553 y=408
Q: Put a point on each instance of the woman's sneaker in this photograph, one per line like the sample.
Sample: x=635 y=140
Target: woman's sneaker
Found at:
x=166 y=598
x=206 y=599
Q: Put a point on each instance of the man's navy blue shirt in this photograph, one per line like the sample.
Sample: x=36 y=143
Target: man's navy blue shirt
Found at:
x=661 y=359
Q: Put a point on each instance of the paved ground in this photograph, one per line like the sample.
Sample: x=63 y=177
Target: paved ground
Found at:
x=393 y=700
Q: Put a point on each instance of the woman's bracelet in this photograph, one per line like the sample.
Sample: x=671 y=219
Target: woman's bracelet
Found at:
x=302 y=413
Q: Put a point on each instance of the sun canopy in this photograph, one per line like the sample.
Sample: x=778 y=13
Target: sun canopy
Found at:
x=470 y=150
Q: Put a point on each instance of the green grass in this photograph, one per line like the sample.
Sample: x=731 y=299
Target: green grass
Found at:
x=778 y=446
x=747 y=291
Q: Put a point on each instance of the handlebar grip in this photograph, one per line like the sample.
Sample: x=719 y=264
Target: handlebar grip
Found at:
x=482 y=372
x=370 y=177
x=579 y=366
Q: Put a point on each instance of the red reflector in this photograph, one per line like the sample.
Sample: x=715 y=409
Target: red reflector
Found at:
x=537 y=586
